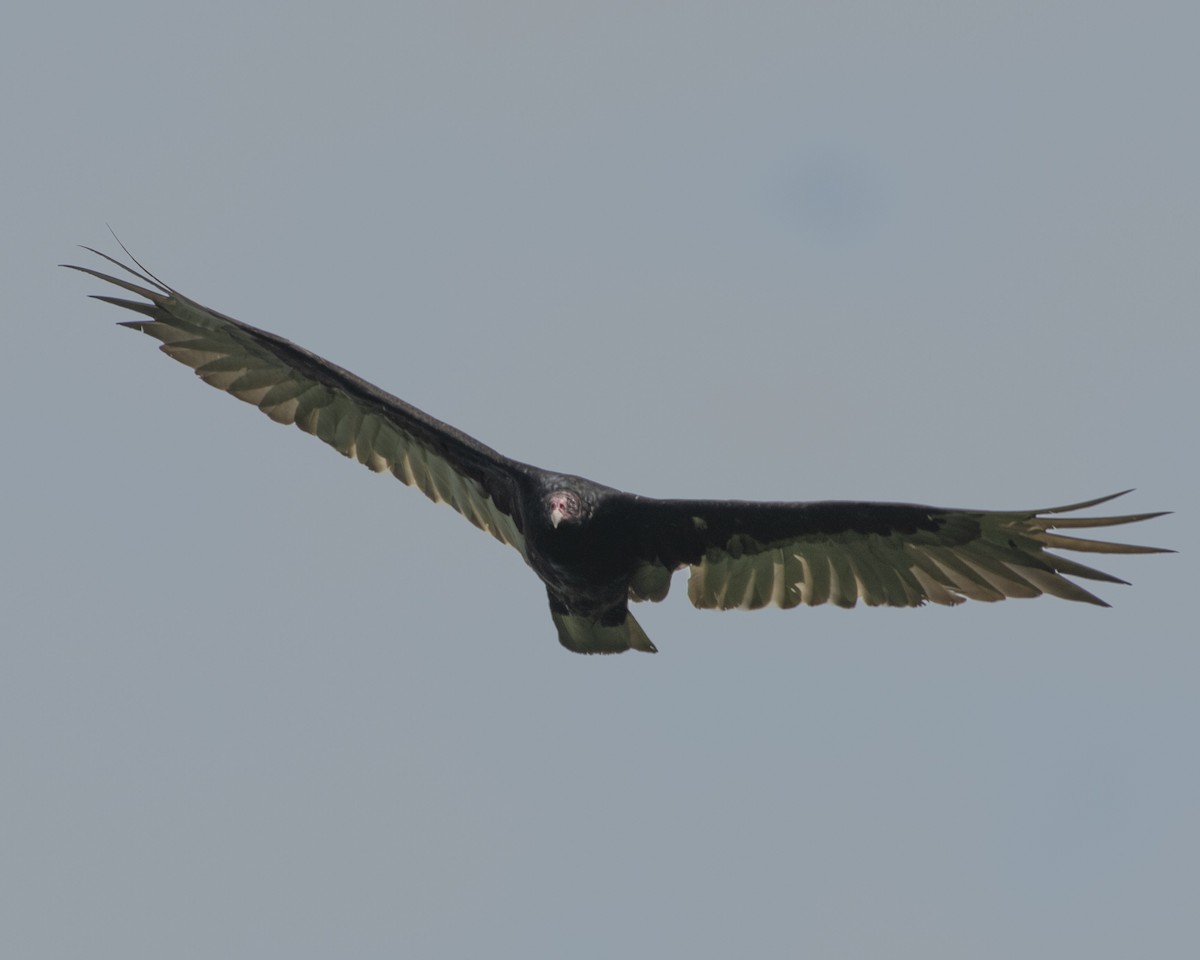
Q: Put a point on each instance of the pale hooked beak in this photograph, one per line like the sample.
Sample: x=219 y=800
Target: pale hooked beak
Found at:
x=558 y=510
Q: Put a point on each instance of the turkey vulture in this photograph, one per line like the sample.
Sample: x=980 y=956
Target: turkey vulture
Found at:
x=597 y=548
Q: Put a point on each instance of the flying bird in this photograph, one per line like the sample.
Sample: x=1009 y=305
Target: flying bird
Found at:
x=596 y=548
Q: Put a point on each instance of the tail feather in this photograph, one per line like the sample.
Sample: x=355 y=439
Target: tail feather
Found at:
x=582 y=635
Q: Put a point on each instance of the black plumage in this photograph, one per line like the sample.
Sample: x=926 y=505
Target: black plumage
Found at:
x=597 y=548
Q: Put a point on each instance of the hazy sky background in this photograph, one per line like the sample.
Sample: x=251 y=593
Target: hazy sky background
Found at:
x=257 y=702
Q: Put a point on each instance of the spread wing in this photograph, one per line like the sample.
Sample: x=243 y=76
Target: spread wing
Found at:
x=752 y=555
x=292 y=385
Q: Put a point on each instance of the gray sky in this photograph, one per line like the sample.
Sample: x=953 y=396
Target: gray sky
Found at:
x=256 y=702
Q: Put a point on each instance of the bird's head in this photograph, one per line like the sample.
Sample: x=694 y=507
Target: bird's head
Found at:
x=563 y=506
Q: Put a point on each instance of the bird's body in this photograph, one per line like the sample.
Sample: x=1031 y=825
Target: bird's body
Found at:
x=595 y=547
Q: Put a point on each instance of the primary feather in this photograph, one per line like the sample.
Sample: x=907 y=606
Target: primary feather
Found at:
x=596 y=548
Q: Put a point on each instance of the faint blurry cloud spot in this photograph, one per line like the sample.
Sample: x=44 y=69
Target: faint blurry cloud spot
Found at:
x=834 y=198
